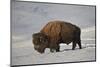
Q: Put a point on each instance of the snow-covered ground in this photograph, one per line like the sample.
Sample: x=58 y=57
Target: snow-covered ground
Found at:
x=27 y=55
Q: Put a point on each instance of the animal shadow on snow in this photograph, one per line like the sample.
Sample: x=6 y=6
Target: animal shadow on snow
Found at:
x=88 y=46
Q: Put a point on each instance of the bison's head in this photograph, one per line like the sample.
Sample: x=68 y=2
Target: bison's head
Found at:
x=40 y=42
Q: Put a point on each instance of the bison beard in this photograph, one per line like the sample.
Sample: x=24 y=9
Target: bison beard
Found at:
x=54 y=33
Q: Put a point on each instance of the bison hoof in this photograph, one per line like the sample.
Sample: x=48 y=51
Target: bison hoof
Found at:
x=80 y=48
x=73 y=48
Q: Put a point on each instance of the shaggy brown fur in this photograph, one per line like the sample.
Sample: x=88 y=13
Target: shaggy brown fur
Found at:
x=56 y=32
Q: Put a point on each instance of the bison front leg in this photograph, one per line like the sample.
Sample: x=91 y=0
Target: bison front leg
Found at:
x=79 y=44
x=54 y=48
x=74 y=45
x=51 y=48
x=58 y=49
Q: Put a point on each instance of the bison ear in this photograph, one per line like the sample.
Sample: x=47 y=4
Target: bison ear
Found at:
x=34 y=35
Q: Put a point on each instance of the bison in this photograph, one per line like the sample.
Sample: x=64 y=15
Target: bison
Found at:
x=54 y=33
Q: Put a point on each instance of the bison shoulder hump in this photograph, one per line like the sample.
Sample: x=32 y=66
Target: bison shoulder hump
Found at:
x=53 y=28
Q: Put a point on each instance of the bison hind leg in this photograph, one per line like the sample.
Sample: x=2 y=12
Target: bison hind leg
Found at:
x=76 y=42
x=74 y=45
x=79 y=44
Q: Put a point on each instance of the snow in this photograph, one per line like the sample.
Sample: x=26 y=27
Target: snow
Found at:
x=27 y=55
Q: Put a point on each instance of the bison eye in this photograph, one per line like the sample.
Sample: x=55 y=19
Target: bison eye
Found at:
x=42 y=40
